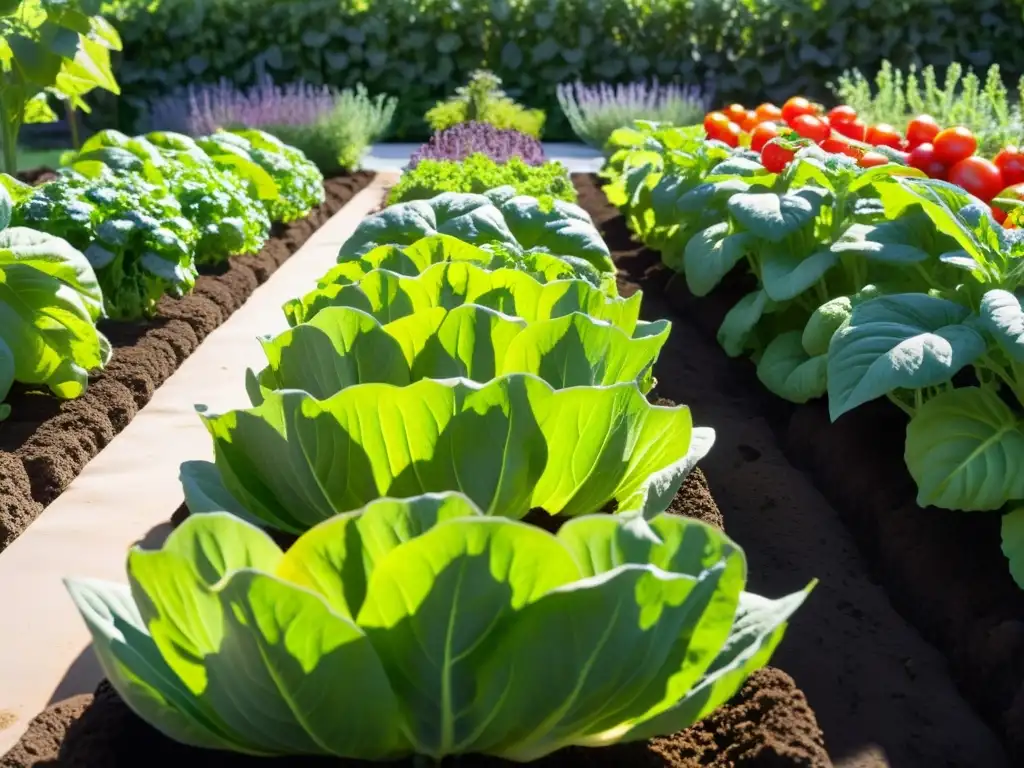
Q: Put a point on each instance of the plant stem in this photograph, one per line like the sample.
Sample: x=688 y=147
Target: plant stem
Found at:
x=901 y=405
x=73 y=124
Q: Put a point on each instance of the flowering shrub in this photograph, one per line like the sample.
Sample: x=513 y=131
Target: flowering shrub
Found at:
x=465 y=139
x=594 y=111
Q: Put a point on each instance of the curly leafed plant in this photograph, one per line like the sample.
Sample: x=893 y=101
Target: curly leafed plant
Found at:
x=419 y=627
x=511 y=445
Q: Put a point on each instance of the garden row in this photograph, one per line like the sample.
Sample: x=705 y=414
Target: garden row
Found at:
x=449 y=460
x=880 y=291
x=102 y=292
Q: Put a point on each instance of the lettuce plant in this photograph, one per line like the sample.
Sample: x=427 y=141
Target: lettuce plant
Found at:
x=343 y=346
x=439 y=621
x=435 y=249
x=133 y=233
x=500 y=218
x=50 y=301
x=387 y=296
x=478 y=173
x=511 y=445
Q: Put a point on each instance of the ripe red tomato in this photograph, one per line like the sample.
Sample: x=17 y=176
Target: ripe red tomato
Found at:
x=712 y=119
x=811 y=127
x=1010 y=162
x=998 y=214
x=736 y=112
x=978 y=176
x=872 y=159
x=762 y=134
x=855 y=129
x=750 y=122
x=718 y=126
x=768 y=111
x=835 y=146
x=775 y=157
x=923 y=158
x=795 y=107
x=841 y=114
x=922 y=130
x=884 y=135
x=954 y=144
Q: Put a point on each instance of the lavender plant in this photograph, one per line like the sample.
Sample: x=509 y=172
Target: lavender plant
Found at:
x=332 y=128
x=465 y=139
x=594 y=111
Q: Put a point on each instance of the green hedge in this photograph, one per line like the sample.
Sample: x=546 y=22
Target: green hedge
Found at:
x=420 y=50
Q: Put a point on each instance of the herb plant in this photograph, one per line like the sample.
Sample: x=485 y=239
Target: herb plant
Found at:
x=478 y=173
x=440 y=621
x=482 y=100
x=460 y=141
x=50 y=301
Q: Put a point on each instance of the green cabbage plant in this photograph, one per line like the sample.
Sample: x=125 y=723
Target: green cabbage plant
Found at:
x=420 y=627
x=343 y=346
x=516 y=223
x=389 y=296
x=511 y=445
x=50 y=301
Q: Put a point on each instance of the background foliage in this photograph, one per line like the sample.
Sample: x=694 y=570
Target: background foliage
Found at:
x=420 y=49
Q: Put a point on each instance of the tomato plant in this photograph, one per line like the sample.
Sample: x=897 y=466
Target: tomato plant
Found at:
x=884 y=135
x=762 y=134
x=775 y=157
x=855 y=129
x=924 y=159
x=922 y=130
x=768 y=112
x=978 y=176
x=872 y=159
x=795 y=107
x=1010 y=162
x=841 y=114
x=954 y=144
x=811 y=127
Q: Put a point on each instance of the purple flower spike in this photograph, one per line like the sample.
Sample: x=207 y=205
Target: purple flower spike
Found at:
x=462 y=140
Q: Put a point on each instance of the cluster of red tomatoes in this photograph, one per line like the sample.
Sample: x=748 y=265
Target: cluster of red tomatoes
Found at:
x=941 y=153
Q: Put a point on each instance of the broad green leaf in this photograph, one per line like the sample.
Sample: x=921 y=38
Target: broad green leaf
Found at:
x=786 y=271
x=901 y=341
x=774 y=217
x=711 y=254
x=1002 y=316
x=431 y=605
x=295 y=461
x=965 y=450
x=895 y=241
x=739 y=323
x=561 y=228
x=1012 y=533
x=788 y=371
x=823 y=323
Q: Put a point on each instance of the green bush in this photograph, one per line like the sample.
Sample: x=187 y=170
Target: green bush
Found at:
x=419 y=49
x=479 y=174
x=483 y=101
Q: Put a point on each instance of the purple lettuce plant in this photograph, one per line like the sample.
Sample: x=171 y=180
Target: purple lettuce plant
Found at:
x=465 y=139
x=594 y=111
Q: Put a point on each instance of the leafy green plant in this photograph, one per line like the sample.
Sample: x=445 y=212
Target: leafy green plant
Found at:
x=483 y=101
x=663 y=630
x=388 y=296
x=499 y=219
x=294 y=461
x=132 y=232
x=54 y=47
x=478 y=174
x=344 y=346
x=50 y=301
x=961 y=99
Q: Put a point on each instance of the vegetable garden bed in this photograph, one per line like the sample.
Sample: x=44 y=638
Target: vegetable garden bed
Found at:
x=867 y=673
x=47 y=442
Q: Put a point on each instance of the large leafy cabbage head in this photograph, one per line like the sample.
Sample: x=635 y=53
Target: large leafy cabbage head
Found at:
x=511 y=445
x=514 y=223
x=50 y=301
x=421 y=627
x=343 y=346
x=388 y=294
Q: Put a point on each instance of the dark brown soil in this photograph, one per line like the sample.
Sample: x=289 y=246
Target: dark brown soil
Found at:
x=46 y=442
x=768 y=724
x=881 y=693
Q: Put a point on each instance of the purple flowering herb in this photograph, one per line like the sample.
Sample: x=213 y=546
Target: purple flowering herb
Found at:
x=594 y=111
x=462 y=140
